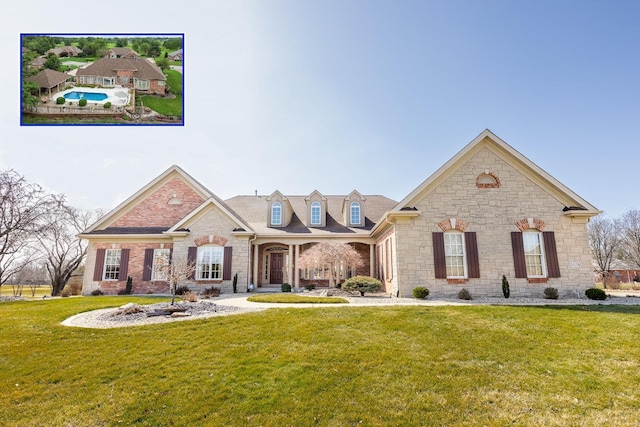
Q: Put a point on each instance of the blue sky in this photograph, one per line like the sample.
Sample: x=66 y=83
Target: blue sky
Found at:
x=375 y=96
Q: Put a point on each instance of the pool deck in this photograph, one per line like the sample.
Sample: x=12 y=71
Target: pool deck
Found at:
x=114 y=95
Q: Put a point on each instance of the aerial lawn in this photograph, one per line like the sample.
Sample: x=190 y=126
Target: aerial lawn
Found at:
x=167 y=106
x=330 y=366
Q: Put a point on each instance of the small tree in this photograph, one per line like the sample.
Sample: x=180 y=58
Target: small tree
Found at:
x=329 y=256
x=505 y=287
x=362 y=284
x=179 y=270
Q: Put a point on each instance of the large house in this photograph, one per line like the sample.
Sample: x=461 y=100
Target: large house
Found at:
x=487 y=212
x=121 y=52
x=138 y=73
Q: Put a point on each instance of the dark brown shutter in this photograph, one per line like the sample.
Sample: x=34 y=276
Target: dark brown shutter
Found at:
x=473 y=263
x=439 y=261
x=519 y=262
x=551 y=254
x=124 y=264
x=97 y=270
x=226 y=266
x=192 y=259
x=148 y=264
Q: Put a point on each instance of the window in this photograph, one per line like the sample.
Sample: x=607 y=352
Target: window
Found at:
x=454 y=254
x=276 y=213
x=142 y=84
x=355 y=213
x=210 y=260
x=107 y=81
x=112 y=264
x=315 y=213
x=160 y=264
x=533 y=254
x=160 y=82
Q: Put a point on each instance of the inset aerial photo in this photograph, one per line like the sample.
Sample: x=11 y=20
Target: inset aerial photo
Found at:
x=106 y=79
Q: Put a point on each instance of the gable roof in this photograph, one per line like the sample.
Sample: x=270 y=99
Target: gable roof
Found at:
x=574 y=204
x=109 y=67
x=156 y=183
x=48 y=78
x=121 y=51
x=69 y=50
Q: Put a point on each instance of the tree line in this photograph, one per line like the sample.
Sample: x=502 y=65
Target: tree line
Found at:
x=615 y=239
x=38 y=234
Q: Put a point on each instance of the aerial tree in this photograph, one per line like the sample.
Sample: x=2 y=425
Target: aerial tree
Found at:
x=52 y=62
x=24 y=209
x=605 y=243
x=173 y=43
x=330 y=256
x=630 y=236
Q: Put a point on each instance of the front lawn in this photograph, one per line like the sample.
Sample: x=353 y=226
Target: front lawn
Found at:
x=335 y=366
x=167 y=106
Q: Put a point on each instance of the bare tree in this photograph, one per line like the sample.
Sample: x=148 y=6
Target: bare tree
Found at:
x=23 y=211
x=62 y=251
x=178 y=270
x=605 y=242
x=330 y=256
x=630 y=235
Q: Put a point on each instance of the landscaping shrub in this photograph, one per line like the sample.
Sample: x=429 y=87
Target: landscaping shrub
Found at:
x=190 y=297
x=310 y=287
x=505 y=287
x=420 y=292
x=60 y=100
x=362 y=284
x=596 y=294
x=66 y=292
x=82 y=102
x=129 y=287
x=211 y=292
x=464 y=294
x=97 y=293
x=285 y=287
x=182 y=290
x=107 y=104
x=550 y=293
x=235 y=283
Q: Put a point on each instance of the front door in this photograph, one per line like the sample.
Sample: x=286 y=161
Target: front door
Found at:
x=275 y=268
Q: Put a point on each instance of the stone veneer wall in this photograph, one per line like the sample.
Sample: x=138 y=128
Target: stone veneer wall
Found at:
x=492 y=214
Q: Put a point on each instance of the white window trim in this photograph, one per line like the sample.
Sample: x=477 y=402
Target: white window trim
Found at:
x=277 y=205
x=316 y=206
x=542 y=255
x=464 y=254
x=155 y=269
x=219 y=250
x=351 y=216
x=106 y=260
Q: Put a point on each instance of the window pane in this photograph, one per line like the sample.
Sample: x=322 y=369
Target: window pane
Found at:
x=276 y=212
x=315 y=213
x=112 y=264
x=454 y=254
x=533 y=254
x=210 y=261
x=355 y=213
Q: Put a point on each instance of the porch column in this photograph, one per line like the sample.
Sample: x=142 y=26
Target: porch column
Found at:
x=372 y=260
x=297 y=270
x=256 y=264
x=290 y=266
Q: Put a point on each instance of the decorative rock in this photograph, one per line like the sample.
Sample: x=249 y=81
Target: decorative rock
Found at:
x=180 y=314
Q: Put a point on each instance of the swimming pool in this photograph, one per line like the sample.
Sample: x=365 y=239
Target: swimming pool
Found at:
x=89 y=96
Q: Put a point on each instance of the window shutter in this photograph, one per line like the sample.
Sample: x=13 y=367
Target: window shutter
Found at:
x=124 y=265
x=473 y=263
x=226 y=266
x=519 y=263
x=148 y=264
x=192 y=257
x=97 y=270
x=551 y=254
x=439 y=260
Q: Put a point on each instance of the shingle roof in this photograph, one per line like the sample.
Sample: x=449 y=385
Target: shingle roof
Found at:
x=48 y=78
x=69 y=50
x=255 y=210
x=121 y=51
x=109 y=67
x=130 y=230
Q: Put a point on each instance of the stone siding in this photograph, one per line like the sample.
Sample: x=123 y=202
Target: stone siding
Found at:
x=492 y=213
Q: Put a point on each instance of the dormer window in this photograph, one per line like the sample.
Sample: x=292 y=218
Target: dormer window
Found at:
x=316 y=209
x=276 y=213
x=355 y=213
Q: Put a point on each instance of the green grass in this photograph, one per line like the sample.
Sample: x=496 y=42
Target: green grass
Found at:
x=291 y=298
x=330 y=366
x=167 y=106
